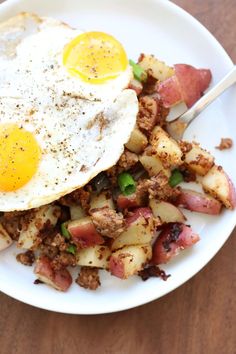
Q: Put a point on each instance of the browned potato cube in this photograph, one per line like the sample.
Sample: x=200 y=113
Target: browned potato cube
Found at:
x=76 y=212
x=166 y=148
x=96 y=256
x=217 y=183
x=158 y=69
x=46 y=214
x=199 y=160
x=129 y=260
x=139 y=231
x=5 y=239
x=153 y=165
x=101 y=200
x=137 y=141
x=167 y=212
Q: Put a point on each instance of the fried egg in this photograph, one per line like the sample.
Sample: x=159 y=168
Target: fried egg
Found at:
x=65 y=110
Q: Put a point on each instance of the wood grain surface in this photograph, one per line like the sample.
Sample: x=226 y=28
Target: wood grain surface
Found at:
x=197 y=318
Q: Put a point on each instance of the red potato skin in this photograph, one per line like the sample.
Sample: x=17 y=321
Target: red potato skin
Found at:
x=61 y=278
x=166 y=247
x=128 y=201
x=229 y=200
x=43 y=267
x=198 y=202
x=205 y=78
x=85 y=235
x=144 y=212
x=116 y=267
x=188 y=78
x=193 y=82
x=170 y=91
x=232 y=193
x=188 y=85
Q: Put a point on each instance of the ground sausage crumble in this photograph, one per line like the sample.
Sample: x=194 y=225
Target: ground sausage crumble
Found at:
x=88 y=278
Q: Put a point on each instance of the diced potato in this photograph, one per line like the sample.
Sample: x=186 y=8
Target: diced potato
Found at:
x=84 y=233
x=97 y=256
x=192 y=82
x=144 y=212
x=76 y=212
x=158 y=69
x=131 y=201
x=45 y=214
x=169 y=92
x=59 y=279
x=129 y=260
x=217 y=183
x=153 y=164
x=166 y=148
x=137 y=141
x=5 y=239
x=166 y=246
x=104 y=199
x=188 y=85
x=167 y=212
x=199 y=160
x=138 y=232
x=199 y=202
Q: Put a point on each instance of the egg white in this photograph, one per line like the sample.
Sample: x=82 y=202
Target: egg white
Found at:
x=39 y=63
x=64 y=114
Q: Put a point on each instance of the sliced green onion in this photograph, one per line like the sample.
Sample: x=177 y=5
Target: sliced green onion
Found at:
x=139 y=73
x=126 y=183
x=64 y=230
x=175 y=178
x=71 y=249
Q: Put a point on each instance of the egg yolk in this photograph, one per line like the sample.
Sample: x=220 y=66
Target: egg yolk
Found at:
x=95 y=57
x=19 y=157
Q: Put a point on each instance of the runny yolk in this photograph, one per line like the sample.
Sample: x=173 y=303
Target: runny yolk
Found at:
x=19 y=157
x=95 y=57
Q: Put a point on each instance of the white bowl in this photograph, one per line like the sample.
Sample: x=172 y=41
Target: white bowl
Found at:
x=161 y=28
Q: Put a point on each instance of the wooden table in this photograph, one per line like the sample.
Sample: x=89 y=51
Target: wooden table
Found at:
x=197 y=318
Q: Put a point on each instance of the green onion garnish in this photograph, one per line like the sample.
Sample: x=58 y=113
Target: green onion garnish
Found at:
x=175 y=178
x=126 y=183
x=71 y=249
x=139 y=73
x=64 y=230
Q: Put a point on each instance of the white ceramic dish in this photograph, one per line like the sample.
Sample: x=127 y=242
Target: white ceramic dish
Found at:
x=151 y=26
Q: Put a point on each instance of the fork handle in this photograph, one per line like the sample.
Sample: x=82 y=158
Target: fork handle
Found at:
x=209 y=97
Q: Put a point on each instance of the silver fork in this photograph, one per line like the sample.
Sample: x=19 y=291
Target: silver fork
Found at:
x=177 y=127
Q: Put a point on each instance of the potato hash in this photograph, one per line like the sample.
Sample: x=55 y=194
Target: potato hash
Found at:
x=129 y=219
